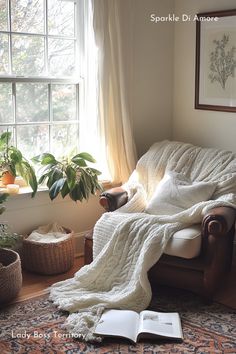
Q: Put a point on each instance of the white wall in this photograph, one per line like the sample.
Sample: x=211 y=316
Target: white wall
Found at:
x=152 y=83
x=206 y=128
x=24 y=213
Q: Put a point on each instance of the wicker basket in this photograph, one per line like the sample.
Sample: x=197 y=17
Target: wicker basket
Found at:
x=10 y=275
x=49 y=258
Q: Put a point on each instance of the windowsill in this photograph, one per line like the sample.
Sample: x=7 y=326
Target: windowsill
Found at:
x=25 y=191
x=22 y=191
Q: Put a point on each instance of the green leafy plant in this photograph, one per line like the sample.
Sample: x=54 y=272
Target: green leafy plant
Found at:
x=3 y=198
x=70 y=176
x=8 y=238
x=12 y=160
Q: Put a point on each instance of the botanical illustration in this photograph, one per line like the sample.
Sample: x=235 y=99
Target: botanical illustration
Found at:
x=222 y=61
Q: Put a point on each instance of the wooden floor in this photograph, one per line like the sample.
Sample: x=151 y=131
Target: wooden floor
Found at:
x=35 y=285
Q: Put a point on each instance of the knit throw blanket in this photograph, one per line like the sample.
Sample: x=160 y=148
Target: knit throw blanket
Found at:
x=129 y=241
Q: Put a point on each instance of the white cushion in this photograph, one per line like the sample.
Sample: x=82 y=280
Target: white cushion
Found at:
x=185 y=243
x=176 y=193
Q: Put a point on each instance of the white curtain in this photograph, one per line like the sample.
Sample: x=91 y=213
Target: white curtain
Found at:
x=89 y=137
x=114 y=119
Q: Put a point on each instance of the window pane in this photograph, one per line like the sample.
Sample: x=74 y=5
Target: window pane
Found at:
x=4 y=54
x=61 y=17
x=27 y=16
x=6 y=111
x=64 y=102
x=31 y=102
x=27 y=55
x=64 y=139
x=61 y=56
x=33 y=140
x=3 y=15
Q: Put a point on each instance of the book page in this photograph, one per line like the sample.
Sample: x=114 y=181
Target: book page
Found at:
x=121 y=323
x=161 y=324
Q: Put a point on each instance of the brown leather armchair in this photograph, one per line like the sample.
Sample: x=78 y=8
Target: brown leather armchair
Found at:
x=202 y=274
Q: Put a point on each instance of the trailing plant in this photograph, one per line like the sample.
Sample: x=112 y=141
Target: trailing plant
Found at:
x=12 y=160
x=69 y=176
x=3 y=198
x=8 y=238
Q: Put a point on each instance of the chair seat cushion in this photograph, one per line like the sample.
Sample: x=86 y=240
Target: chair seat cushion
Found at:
x=185 y=243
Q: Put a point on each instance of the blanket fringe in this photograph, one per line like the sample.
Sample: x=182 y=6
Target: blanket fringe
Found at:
x=81 y=325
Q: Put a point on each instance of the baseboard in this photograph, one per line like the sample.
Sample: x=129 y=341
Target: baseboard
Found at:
x=79 y=243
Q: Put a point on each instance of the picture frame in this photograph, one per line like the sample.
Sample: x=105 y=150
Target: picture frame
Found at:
x=215 y=71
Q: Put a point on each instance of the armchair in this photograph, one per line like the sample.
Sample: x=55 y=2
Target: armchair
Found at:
x=201 y=271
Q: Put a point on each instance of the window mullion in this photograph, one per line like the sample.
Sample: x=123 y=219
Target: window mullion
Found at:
x=14 y=111
x=50 y=115
x=78 y=111
x=10 y=39
x=46 y=37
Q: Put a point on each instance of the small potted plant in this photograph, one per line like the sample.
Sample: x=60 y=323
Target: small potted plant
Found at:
x=3 y=198
x=10 y=265
x=13 y=163
x=8 y=238
x=69 y=176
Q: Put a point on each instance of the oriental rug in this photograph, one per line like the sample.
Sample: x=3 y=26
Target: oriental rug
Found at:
x=35 y=326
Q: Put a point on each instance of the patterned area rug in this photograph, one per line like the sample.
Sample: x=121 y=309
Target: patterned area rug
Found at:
x=35 y=326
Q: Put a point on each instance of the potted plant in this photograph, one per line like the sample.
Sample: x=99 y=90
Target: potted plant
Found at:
x=12 y=163
x=69 y=176
x=3 y=198
x=8 y=239
x=10 y=264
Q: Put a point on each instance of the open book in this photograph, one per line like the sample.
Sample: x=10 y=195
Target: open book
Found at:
x=134 y=326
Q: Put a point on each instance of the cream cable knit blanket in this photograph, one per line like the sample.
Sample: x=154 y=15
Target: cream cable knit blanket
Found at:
x=128 y=241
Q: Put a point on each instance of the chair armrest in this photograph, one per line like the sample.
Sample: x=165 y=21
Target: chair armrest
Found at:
x=217 y=247
x=113 y=198
x=218 y=221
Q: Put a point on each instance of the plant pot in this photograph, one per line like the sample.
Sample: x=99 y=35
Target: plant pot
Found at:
x=7 y=178
x=10 y=275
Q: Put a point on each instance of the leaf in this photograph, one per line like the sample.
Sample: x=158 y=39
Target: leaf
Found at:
x=26 y=171
x=15 y=155
x=86 y=156
x=45 y=159
x=42 y=178
x=76 y=194
x=4 y=139
x=78 y=161
x=56 y=188
x=71 y=177
x=65 y=190
x=32 y=181
x=95 y=171
x=54 y=175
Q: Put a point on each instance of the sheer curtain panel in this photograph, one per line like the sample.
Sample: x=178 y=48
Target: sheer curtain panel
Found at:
x=114 y=118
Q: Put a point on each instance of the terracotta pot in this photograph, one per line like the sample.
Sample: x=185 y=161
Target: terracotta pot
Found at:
x=7 y=178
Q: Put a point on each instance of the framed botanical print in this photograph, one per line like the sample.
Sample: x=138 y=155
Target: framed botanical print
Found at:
x=215 y=78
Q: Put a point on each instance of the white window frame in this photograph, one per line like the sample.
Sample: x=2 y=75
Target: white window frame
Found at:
x=76 y=80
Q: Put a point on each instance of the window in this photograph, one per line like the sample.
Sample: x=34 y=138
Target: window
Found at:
x=39 y=80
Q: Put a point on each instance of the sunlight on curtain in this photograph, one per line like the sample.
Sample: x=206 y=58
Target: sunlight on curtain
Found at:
x=89 y=135
x=114 y=121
